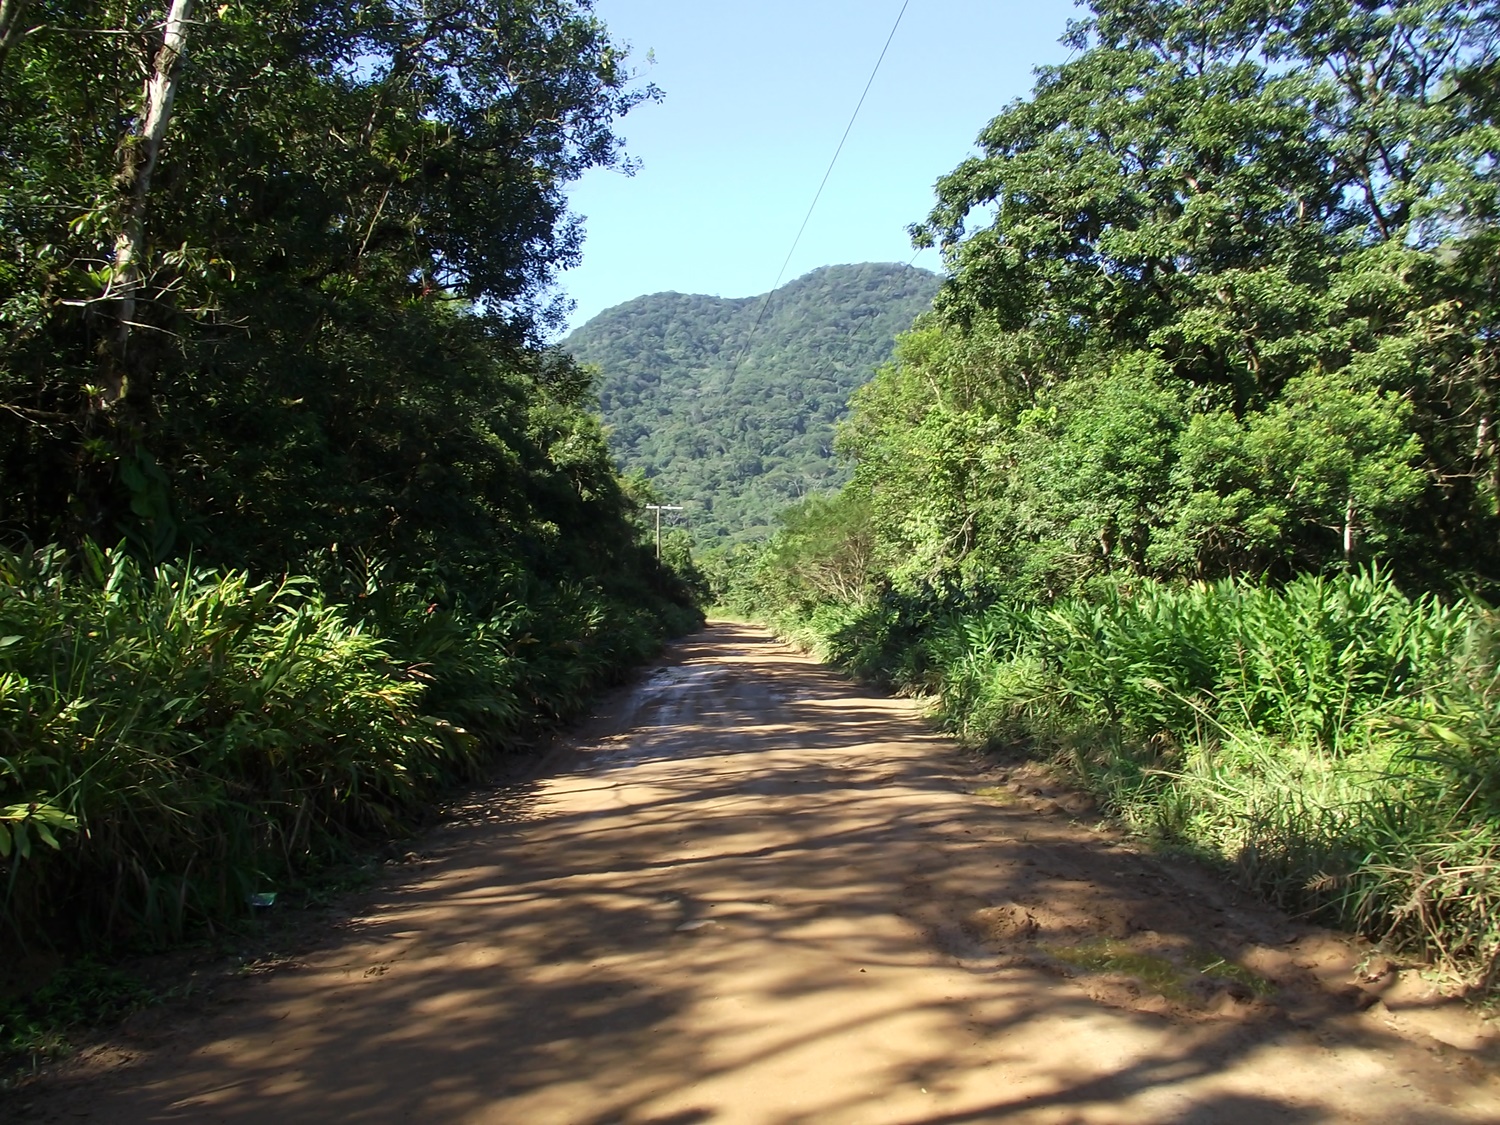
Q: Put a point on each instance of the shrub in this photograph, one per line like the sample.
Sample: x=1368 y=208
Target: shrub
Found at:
x=172 y=742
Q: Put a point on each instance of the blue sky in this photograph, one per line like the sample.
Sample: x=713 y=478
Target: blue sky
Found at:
x=757 y=95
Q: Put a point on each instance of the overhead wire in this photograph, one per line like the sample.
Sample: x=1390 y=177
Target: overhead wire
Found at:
x=745 y=347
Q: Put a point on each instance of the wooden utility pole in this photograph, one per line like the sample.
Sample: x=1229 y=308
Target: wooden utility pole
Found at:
x=659 y=509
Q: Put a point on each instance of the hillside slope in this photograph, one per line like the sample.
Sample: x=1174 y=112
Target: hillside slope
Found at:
x=736 y=436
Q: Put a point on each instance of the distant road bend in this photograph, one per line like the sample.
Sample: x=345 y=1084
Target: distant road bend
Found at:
x=753 y=892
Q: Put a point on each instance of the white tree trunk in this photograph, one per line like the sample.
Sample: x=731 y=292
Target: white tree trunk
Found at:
x=11 y=31
x=138 y=162
x=1348 y=531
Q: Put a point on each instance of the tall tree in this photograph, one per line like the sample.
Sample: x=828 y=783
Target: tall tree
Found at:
x=305 y=265
x=1255 y=201
x=139 y=153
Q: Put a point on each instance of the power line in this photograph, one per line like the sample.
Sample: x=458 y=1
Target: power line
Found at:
x=819 y=193
x=847 y=130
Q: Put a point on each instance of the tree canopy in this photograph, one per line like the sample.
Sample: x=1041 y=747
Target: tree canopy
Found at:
x=289 y=292
x=1222 y=299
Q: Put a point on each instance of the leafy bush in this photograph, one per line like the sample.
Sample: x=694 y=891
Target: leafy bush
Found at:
x=173 y=741
x=201 y=732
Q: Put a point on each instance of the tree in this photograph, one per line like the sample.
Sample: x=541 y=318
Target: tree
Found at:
x=1275 y=206
x=318 y=250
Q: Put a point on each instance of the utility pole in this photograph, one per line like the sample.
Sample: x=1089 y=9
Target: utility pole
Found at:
x=659 y=509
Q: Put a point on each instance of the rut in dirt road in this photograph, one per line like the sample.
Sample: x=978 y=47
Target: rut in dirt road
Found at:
x=759 y=894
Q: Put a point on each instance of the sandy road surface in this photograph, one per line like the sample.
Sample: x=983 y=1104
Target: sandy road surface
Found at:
x=756 y=894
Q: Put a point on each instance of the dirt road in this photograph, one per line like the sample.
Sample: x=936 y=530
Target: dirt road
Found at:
x=755 y=893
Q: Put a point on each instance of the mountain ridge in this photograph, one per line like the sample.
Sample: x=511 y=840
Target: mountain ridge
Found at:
x=734 y=419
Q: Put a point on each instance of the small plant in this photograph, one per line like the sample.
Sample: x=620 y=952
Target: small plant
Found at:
x=38 y=1027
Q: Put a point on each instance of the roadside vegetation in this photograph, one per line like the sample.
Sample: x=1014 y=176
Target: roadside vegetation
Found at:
x=300 y=522
x=1331 y=741
x=1191 y=479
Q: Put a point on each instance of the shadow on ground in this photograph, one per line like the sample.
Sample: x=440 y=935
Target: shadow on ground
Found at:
x=757 y=893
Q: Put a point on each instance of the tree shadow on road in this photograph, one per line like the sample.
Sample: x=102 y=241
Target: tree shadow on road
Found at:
x=763 y=896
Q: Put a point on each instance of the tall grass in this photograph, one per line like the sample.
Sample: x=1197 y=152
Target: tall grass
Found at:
x=1332 y=741
x=175 y=741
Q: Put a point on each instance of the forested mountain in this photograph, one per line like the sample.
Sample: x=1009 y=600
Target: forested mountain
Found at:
x=733 y=420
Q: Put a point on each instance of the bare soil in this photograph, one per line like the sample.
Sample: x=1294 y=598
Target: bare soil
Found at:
x=750 y=891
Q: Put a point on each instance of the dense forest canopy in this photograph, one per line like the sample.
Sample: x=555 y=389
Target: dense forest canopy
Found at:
x=728 y=405
x=1223 y=300
x=287 y=295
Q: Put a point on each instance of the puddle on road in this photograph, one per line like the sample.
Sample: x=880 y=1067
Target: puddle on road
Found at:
x=657 y=703
x=673 y=676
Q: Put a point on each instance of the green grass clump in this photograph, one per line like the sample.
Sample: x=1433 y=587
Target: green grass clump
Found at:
x=174 y=741
x=1156 y=973
x=1164 y=975
x=997 y=794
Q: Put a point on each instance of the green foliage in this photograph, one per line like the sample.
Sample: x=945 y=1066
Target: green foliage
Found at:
x=1222 y=300
x=738 y=420
x=202 y=731
x=1132 y=471
x=823 y=553
x=201 y=736
x=346 y=251
x=1325 y=457
x=298 y=344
